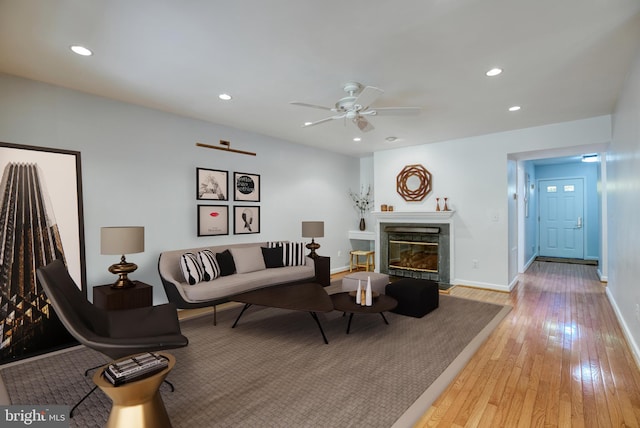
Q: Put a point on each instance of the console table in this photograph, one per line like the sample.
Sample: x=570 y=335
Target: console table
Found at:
x=111 y=299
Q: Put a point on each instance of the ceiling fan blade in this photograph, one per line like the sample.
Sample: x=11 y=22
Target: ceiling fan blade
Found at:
x=367 y=97
x=396 y=111
x=362 y=123
x=296 y=103
x=326 y=119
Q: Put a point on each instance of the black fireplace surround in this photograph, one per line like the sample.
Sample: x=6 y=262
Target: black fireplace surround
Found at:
x=417 y=250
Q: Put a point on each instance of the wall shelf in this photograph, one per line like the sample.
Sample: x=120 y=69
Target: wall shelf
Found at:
x=363 y=235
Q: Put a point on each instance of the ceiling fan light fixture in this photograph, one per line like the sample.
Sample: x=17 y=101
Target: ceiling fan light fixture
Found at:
x=494 y=72
x=357 y=105
x=81 y=50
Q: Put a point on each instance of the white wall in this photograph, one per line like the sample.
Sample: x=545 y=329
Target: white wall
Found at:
x=139 y=166
x=367 y=179
x=472 y=173
x=623 y=190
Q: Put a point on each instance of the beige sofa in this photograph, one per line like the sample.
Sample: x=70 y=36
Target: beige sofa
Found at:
x=219 y=290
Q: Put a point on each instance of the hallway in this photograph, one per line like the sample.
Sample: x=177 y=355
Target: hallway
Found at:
x=558 y=359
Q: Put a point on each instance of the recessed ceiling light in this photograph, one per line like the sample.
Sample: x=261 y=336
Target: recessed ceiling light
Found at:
x=81 y=50
x=391 y=139
x=225 y=97
x=494 y=72
x=307 y=123
x=356 y=139
x=514 y=108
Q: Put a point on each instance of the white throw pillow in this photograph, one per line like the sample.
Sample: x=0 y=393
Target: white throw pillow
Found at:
x=247 y=259
x=191 y=268
x=209 y=265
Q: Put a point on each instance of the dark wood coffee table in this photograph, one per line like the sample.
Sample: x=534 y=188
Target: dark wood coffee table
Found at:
x=309 y=297
x=346 y=303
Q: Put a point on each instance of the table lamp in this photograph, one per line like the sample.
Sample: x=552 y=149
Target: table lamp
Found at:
x=313 y=229
x=122 y=240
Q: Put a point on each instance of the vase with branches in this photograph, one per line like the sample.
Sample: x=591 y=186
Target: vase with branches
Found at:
x=362 y=202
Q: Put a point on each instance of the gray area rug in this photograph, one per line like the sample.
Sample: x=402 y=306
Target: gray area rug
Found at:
x=274 y=370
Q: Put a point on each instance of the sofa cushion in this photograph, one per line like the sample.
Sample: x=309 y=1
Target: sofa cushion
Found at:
x=293 y=254
x=225 y=261
x=209 y=265
x=248 y=259
x=227 y=286
x=191 y=268
x=272 y=257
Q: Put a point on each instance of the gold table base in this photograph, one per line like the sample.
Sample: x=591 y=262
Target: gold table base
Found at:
x=137 y=404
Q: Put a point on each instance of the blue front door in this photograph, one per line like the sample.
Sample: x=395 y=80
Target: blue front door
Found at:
x=562 y=218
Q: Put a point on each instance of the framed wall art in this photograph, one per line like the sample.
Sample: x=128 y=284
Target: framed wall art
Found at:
x=413 y=183
x=213 y=220
x=212 y=184
x=246 y=187
x=246 y=220
x=41 y=207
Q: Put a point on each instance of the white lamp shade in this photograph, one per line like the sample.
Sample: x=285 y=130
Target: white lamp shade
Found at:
x=313 y=229
x=121 y=240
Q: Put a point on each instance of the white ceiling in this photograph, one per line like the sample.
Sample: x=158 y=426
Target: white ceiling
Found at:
x=562 y=60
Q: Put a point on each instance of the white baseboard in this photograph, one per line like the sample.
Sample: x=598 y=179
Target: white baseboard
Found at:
x=635 y=350
x=339 y=269
x=485 y=285
x=603 y=278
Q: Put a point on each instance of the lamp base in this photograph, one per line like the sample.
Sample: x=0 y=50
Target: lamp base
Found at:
x=122 y=269
x=313 y=247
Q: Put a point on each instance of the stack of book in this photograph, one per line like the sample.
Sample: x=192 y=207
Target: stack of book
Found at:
x=135 y=368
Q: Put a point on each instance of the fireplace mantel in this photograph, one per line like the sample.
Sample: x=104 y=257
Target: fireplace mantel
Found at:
x=420 y=216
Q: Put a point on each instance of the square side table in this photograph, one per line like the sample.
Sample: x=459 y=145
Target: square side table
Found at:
x=114 y=299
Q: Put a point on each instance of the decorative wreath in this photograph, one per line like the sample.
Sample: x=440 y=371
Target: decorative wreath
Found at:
x=413 y=194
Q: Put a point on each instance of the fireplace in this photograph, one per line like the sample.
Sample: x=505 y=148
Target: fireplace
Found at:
x=416 y=251
x=416 y=245
x=413 y=249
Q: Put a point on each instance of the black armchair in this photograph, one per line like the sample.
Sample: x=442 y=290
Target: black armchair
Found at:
x=113 y=333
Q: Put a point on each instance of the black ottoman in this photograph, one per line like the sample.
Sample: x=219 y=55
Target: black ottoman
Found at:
x=416 y=297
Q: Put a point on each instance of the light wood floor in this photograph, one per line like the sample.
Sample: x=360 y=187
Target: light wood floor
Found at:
x=559 y=359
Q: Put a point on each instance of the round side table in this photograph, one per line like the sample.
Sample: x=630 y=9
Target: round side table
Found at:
x=346 y=303
x=137 y=403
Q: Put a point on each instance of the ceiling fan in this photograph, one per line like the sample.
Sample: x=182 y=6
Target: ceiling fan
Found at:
x=357 y=106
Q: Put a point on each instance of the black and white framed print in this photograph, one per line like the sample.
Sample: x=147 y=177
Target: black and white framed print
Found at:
x=42 y=220
x=246 y=220
x=213 y=220
x=212 y=184
x=246 y=187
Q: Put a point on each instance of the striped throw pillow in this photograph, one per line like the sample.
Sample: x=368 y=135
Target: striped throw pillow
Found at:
x=191 y=268
x=209 y=265
x=293 y=254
